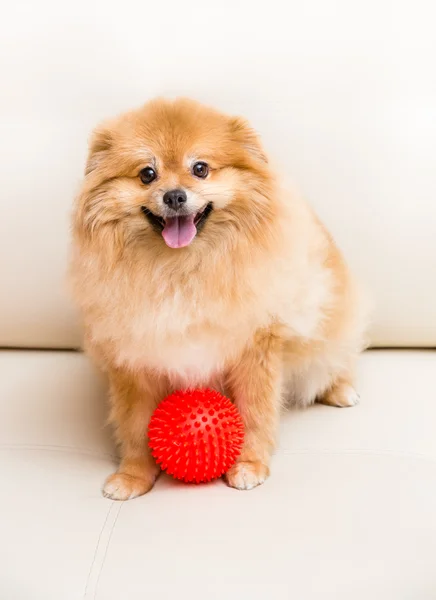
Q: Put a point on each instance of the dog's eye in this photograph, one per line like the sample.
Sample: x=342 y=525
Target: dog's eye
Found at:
x=147 y=175
x=200 y=169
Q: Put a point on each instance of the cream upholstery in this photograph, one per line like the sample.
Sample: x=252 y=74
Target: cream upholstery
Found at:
x=348 y=512
x=344 y=96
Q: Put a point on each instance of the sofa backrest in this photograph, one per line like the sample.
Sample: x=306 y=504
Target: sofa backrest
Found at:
x=347 y=112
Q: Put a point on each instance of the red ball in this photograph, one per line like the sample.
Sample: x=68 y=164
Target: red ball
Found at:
x=196 y=435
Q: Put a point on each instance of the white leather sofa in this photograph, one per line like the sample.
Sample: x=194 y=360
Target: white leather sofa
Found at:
x=344 y=95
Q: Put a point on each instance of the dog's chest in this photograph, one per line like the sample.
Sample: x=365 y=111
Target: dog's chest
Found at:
x=193 y=360
x=187 y=345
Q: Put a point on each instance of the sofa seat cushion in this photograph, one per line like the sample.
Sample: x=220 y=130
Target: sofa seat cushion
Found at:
x=347 y=513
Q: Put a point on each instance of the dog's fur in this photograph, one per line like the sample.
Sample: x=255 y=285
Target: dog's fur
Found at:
x=260 y=305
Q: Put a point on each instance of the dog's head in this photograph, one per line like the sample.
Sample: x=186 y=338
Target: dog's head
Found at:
x=172 y=173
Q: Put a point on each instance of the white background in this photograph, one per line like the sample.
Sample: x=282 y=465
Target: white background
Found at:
x=343 y=93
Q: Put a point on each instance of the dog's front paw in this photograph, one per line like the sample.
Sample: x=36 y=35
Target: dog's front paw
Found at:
x=246 y=475
x=121 y=486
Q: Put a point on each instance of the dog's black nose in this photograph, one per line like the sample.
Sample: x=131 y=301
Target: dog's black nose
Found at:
x=175 y=199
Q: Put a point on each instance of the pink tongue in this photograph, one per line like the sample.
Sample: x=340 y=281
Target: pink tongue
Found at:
x=179 y=231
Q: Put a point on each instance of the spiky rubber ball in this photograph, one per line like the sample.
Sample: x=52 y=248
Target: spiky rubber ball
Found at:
x=196 y=435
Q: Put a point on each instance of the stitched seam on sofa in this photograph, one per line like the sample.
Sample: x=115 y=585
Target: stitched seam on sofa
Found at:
x=96 y=549
x=107 y=548
x=57 y=448
x=101 y=550
x=304 y=451
x=360 y=451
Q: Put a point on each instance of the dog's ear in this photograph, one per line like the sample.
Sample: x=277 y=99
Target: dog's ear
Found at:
x=245 y=135
x=99 y=145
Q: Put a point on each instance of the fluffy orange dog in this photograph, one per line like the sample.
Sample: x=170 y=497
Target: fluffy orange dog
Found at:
x=192 y=268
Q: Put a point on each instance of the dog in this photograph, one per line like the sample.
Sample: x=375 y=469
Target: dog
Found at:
x=192 y=267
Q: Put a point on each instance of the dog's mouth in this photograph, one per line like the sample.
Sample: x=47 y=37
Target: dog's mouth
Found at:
x=178 y=231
